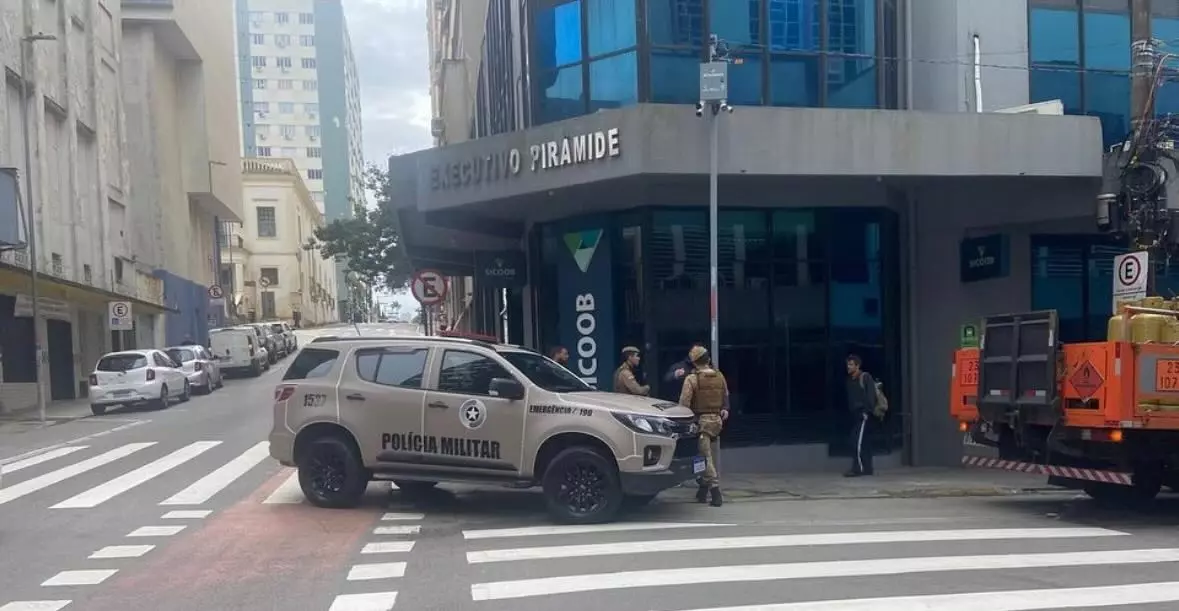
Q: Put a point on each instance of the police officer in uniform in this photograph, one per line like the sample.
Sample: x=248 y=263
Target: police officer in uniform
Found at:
x=624 y=377
x=704 y=392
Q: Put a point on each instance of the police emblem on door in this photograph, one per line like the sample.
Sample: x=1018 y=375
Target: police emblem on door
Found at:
x=473 y=413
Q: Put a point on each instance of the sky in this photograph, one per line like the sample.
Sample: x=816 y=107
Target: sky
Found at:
x=392 y=56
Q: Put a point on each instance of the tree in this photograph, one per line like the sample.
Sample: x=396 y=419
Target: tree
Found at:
x=369 y=240
x=417 y=317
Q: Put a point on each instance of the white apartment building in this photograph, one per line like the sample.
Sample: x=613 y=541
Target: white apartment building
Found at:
x=300 y=97
x=272 y=275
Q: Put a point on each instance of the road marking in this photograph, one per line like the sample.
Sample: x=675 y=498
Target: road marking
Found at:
x=853 y=538
x=1012 y=600
x=544 y=531
x=379 y=570
x=54 y=477
x=388 y=517
x=80 y=578
x=40 y=458
x=387 y=547
x=187 y=514
x=121 y=551
x=376 y=601
x=397 y=530
x=289 y=493
x=38 y=451
x=155 y=531
x=545 y=586
x=35 y=605
x=203 y=489
x=105 y=492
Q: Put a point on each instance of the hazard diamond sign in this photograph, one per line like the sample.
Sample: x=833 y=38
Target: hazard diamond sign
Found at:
x=1086 y=380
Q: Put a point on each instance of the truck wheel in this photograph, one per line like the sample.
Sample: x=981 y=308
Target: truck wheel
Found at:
x=97 y=410
x=414 y=487
x=331 y=473
x=581 y=487
x=1143 y=490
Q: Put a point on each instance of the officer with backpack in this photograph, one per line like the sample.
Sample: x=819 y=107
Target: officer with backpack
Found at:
x=868 y=405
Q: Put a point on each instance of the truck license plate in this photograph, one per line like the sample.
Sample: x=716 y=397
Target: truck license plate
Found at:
x=698 y=465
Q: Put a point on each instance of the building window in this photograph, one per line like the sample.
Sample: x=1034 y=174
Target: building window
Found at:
x=87 y=273
x=264 y=151
x=283 y=62
x=58 y=265
x=1079 y=53
x=306 y=40
x=314 y=174
x=282 y=18
x=258 y=39
x=259 y=83
x=310 y=85
x=290 y=152
x=306 y=18
x=286 y=83
x=267 y=223
x=257 y=17
x=286 y=108
x=675 y=22
x=1164 y=25
x=610 y=25
x=614 y=81
x=258 y=61
x=269 y=274
x=282 y=40
x=313 y=152
x=311 y=109
x=309 y=63
x=312 y=131
x=261 y=107
x=288 y=131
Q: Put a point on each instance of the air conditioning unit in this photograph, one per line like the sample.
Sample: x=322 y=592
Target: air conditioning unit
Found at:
x=261 y=136
x=286 y=69
x=262 y=114
x=314 y=138
x=437 y=127
x=312 y=115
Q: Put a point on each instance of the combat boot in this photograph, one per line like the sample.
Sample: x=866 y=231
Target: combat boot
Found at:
x=717 y=501
x=702 y=494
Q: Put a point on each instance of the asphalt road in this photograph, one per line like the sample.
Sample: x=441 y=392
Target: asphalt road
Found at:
x=183 y=510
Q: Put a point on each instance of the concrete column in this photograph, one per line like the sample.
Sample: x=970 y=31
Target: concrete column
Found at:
x=1140 y=89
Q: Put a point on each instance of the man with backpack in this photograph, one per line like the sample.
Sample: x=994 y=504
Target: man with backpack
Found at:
x=867 y=405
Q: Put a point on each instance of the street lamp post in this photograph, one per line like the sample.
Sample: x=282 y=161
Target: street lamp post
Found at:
x=26 y=70
x=714 y=93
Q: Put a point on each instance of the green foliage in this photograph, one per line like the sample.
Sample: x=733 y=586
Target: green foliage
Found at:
x=370 y=240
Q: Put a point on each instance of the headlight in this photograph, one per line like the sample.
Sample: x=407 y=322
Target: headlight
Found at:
x=651 y=425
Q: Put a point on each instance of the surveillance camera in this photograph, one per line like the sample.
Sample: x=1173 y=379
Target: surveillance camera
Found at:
x=699 y=109
x=726 y=108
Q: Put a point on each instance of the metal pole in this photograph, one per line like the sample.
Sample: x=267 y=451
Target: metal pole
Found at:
x=31 y=219
x=713 y=214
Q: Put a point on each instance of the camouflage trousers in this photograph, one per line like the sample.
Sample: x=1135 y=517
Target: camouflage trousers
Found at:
x=710 y=429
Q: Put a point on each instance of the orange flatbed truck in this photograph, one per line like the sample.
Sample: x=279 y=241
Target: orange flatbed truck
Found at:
x=1102 y=417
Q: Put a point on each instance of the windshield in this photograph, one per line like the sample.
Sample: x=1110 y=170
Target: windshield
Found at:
x=545 y=373
x=182 y=356
x=121 y=362
x=277 y=328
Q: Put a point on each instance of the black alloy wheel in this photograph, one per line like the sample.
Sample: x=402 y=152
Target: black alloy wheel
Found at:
x=331 y=474
x=581 y=487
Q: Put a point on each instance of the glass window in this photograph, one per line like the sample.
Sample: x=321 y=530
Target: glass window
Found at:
x=404 y=369
x=1056 y=84
x=545 y=373
x=614 y=81
x=181 y=355
x=737 y=22
x=468 y=373
x=610 y=25
x=1107 y=96
x=1166 y=28
x=557 y=34
x=561 y=94
x=267 y=222
x=1058 y=283
x=311 y=363
x=1107 y=34
x=745 y=81
x=794 y=25
x=678 y=254
x=851 y=82
x=1055 y=33
x=675 y=76
x=675 y=22
x=851 y=27
x=795 y=235
x=794 y=80
x=121 y=362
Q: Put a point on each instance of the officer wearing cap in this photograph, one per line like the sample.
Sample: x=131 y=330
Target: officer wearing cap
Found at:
x=704 y=392
x=624 y=376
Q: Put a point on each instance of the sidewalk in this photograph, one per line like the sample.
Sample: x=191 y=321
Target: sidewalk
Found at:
x=56 y=412
x=917 y=482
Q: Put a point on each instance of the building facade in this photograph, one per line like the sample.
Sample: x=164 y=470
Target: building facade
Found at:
x=894 y=169
x=300 y=98
x=265 y=264
x=179 y=91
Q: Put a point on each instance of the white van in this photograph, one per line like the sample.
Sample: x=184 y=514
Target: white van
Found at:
x=238 y=350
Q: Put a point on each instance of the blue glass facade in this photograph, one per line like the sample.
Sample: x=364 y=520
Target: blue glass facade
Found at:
x=1079 y=53
x=589 y=55
x=1164 y=25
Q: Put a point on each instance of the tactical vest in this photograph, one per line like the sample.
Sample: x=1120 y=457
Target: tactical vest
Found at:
x=710 y=392
x=618 y=385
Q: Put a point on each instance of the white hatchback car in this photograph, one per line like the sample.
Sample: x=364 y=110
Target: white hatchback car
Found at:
x=199 y=365
x=135 y=377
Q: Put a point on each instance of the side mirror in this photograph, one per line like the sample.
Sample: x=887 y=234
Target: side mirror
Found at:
x=506 y=388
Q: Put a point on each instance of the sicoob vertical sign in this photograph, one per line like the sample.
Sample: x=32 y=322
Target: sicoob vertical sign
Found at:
x=586 y=301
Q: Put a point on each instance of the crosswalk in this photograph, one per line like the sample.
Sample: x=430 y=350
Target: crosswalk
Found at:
x=721 y=564
x=200 y=470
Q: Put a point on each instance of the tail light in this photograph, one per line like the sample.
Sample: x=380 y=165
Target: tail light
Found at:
x=198 y=366
x=282 y=393
x=151 y=374
x=93 y=380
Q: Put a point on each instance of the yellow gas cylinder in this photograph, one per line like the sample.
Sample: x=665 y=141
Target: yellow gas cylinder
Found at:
x=1117 y=330
x=1146 y=327
x=1171 y=325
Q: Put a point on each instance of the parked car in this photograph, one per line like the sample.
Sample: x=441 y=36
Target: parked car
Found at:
x=239 y=350
x=288 y=334
x=137 y=377
x=274 y=344
x=204 y=374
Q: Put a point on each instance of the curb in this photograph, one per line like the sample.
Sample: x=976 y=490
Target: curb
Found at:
x=738 y=495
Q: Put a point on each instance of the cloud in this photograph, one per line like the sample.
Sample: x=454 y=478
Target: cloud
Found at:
x=389 y=39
